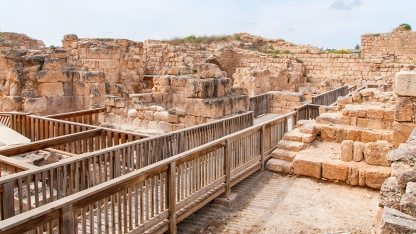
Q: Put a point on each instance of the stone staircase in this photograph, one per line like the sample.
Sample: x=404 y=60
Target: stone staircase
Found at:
x=365 y=123
x=292 y=142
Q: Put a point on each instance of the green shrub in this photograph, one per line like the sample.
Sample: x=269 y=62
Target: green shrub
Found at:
x=190 y=39
x=341 y=51
x=406 y=27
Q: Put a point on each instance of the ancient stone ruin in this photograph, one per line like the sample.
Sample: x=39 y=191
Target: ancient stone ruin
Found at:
x=120 y=135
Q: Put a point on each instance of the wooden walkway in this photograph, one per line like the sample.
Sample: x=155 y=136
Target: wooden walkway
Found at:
x=143 y=185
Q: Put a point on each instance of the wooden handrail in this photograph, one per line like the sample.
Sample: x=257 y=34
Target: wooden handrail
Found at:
x=38 y=145
x=329 y=97
x=245 y=162
x=112 y=162
x=76 y=113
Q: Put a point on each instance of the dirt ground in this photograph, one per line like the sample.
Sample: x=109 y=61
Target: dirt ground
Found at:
x=273 y=203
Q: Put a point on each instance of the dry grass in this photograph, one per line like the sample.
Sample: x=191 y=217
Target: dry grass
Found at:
x=192 y=39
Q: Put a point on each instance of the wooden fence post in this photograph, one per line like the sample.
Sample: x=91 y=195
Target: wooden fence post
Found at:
x=172 y=197
x=262 y=139
x=66 y=220
x=8 y=200
x=117 y=164
x=227 y=167
x=286 y=125
x=181 y=142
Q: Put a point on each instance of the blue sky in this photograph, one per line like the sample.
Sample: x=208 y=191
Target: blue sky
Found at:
x=322 y=23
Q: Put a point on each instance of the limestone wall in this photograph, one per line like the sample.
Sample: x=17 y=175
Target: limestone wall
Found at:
x=43 y=80
x=165 y=59
x=178 y=101
x=398 y=192
x=399 y=45
x=121 y=60
x=350 y=69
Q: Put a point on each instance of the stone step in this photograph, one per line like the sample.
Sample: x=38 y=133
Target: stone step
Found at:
x=338 y=133
x=278 y=165
x=308 y=126
x=291 y=145
x=329 y=118
x=283 y=155
x=294 y=135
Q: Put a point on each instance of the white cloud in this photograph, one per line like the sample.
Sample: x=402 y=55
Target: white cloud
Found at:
x=346 y=4
x=300 y=21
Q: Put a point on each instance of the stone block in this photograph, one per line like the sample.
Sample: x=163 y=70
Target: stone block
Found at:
x=307 y=168
x=374 y=176
x=354 y=134
x=355 y=111
x=401 y=132
x=353 y=175
x=35 y=105
x=148 y=115
x=51 y=89
x=11 y=103
x=405 y=110
x=375 y=153
x=110 y=100
x=173 y=118
x=50 y=76
x=370 y=136
x=132 y=113
x=328 y=132
x=394 y=221
x=347 y=150
x=208 y=70
x=161 y=115
x=120 y=102
x=335 y=170
x=390 y=193
x=358 y=152
x=405 y=83
x=375 y=113
x=164 y=126
x=93 y=77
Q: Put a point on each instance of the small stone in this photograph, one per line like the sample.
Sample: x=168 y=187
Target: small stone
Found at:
x=347 y=150
x=358 y=154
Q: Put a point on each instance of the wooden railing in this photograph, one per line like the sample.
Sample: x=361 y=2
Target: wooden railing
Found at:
x=330 y=97
x=307 y=112
x=38 y=128
x=54 y=181
x=5 y=119
x=259 y=104
x=76 y=143
x=10 y=166
x=89 y=117
x=156 y=197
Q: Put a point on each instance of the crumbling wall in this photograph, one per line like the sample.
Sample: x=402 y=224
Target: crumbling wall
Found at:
x=178 y=101
x=121 y=60
x=399 y=45
x=350 y=69
x=45 y=80
x=398 y=193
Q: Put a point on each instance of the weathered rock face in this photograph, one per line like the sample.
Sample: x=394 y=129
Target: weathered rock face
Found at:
x=179 y=101
x=398 y=193
x=38 y=79
x=120 y=60
x=398 y=44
